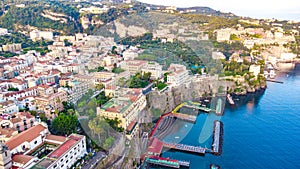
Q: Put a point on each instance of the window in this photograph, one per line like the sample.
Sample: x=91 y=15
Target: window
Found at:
x=67 y=161
x=62 y=166
x=55 y=166
x=35 y=142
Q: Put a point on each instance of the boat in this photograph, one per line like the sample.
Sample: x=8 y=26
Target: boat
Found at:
x=177 y=137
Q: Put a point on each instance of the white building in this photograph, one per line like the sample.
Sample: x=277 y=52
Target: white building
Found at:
x=130 y=55
x=133 y=66
x=178 y=75
x=65 y=150
x=28 y=140
x=154 y=68
x=255 y=69
x=8 y=107
x=37 y=35
x=3 y=31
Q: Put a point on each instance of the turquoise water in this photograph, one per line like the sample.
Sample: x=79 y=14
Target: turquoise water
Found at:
x=262 y=132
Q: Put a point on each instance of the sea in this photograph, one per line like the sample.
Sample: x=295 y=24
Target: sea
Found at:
x=261 y=131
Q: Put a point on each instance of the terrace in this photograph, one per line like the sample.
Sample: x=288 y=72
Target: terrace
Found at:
x=119 y=105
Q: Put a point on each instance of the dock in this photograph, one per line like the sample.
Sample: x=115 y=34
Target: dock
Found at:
x=186 y=117
x=187 y=148
x=217 y=138
x=163 y=162
x=194 y=105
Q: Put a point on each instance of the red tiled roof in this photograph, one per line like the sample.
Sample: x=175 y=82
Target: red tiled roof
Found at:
x=25 y=136
x=56 y=138
x=62 y=149
x=156 y=146
x=22 y=159
x=131 y=125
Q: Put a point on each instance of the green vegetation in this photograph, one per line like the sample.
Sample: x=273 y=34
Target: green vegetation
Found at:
x=139 y=80
x=233 y=68
x=102 y=133
x=161 y=85
x=64 y=124
x=165 y=53
x=98 y=69
x=117 y=70
x=17 y=18
x=234 y=37
x=133 y=41
x=13 y=89
x=229 y=48
x=114 y=124
x=26 y=43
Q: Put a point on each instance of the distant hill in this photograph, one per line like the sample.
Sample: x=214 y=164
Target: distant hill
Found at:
x=197 y=10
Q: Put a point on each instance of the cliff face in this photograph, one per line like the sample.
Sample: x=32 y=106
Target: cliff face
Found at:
x=163 y=102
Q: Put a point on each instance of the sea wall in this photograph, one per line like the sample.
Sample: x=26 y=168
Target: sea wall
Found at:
x=163 y=102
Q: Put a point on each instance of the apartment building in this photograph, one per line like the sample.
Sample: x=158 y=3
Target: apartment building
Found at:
x=125 y=107
x=178 y=76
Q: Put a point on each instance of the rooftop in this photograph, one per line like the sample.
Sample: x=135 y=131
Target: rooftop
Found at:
x=156 y=146
x=44 y=163
x=51 y=137
x=62 y=149
x=25 y=136
x=22 y=159
x=117 y=105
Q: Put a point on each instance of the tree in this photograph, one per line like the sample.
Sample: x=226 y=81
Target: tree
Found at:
x=64 y=124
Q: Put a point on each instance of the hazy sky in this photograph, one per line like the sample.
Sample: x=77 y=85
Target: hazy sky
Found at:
x=281 y=9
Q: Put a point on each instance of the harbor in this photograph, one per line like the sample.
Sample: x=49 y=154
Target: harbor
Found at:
x=164 y=127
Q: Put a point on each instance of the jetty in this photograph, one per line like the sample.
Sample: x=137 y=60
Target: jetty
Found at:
x=156 y=160
x=187 y=148
x=217 y=138
x=186 y=117
x=198 y=106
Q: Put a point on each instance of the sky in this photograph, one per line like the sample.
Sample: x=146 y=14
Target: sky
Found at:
x=279 y=9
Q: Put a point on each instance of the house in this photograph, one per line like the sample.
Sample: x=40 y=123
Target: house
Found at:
x=8 y=107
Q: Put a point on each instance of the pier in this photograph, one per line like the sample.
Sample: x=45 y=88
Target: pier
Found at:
x=156 y=160
x=186 y=117
x=217 y=138
x=197 y=106
x=187 y=148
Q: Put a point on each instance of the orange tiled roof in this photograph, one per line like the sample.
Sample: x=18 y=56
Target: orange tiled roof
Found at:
x=25 y=136
x=22 y=159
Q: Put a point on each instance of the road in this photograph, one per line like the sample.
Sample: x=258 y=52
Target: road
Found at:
x=94 y=161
